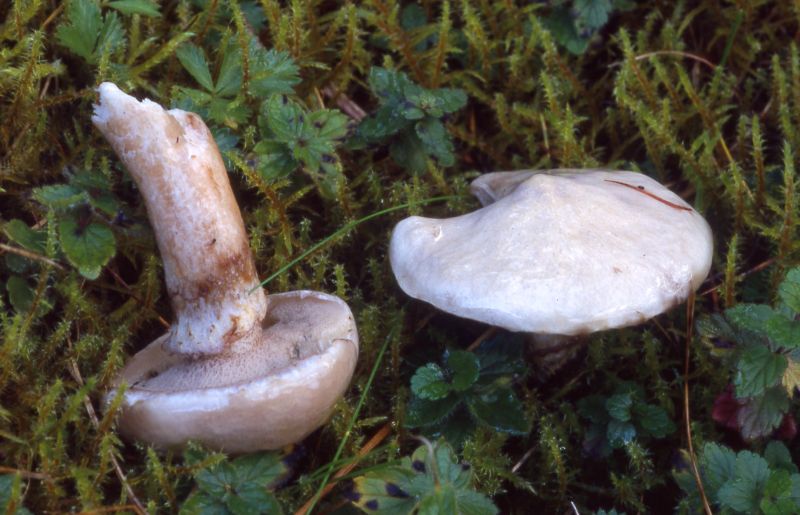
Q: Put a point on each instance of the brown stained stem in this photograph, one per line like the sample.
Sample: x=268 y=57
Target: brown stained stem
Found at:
x=137 y=505
x=686 y=414
x=373 y=442
x=30 y=255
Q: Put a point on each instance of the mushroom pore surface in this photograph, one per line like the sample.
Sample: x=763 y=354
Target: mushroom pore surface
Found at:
x=562 y=252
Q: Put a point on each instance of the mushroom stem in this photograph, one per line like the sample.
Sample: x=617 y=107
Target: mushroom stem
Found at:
x=208 y=265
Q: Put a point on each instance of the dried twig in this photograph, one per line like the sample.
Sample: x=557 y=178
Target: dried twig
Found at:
x=27 y=475
x=137 y=506
x=31 y=255
x=345 y=103
x=686 y=416
x=373 y=442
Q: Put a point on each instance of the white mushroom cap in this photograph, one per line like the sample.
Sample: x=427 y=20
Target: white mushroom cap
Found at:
x=560 y=252
x=268 y=397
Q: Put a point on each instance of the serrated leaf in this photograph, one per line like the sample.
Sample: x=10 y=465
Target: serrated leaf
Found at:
x=20 y=293
x=744 y=491
x=750 y=317
x=619 y=433
x=562 y=27
x=60 y=196
x=26 y=237
x=653 y=420
x=594 y=12
x=783 y=332
x=423 y=412
x=789 y=290
x=758 y=368
x=143 y=7
x=761 y=415
x=382 y=491
x=229 y=79
x=409 y=152
x=500 y=409
x=719 y=466
x=194 y=61
x=88 y=248
x=464 y=368
x=501 y=356
x=778 y=457
x=429 y=382
x=271 y=72
x=83 y=25
x=619 y=407
x=436 y=140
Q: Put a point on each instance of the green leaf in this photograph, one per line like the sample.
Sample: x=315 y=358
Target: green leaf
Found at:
x=436 y=140
x=761 y=415
x=143 y=7
x=653 y=420
x=594 y=12
x=194 y=61
x=464 y=368
x=562 y=27
x=500 y=409
x=620 y=433
x=778 y=457
x=784 y=332
x=83 y=25
x=423 y=412
x=758 y=368
x=750 y=317
x=777 y=495
x=409 y=152
x=719 y=466
x=87 y=247
x=271 y=72
x=239 y=487
x=26 y=237
x=429 y=383
x=60 y=196
x=619 y=407
x=789 y=290
x=20 y=293
x=501 y=356
x=229 y=79
x=427 y=483
x=744 y=491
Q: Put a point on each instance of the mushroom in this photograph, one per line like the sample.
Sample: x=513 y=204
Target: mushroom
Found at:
x=238 y=370
x=561 y=252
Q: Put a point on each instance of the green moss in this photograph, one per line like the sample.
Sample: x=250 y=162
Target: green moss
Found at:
x=703 y=96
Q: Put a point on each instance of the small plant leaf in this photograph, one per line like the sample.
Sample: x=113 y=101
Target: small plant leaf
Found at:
x=87 y=247
x=423 y=412
x=653 y=420
x=719 y=466
x=761 y=415
x=758 y=368
x=783 y=332
x=20 y=293
x=619 y=407
x=778 y=457
x=464 y=369
x=271 y=72
x=429 y=383
x=26 y=237
x=791 y=377
x=789 y=290
x=499 y=409
x=620 y=433
x=194 y=61
x=79 y=34
x=594 y=12
x=751 y=318
x=743 y=492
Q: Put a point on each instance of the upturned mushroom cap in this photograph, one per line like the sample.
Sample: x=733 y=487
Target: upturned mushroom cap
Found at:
x=560 y=252
x=271 y=396
x=238 y=370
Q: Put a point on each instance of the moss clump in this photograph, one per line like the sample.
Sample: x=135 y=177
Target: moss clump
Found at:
x=705 y=97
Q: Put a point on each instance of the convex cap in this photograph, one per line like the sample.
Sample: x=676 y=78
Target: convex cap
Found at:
x=558 y=252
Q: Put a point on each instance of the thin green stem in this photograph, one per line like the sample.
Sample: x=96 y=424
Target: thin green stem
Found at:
x=347 y=228
x=357 y=411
